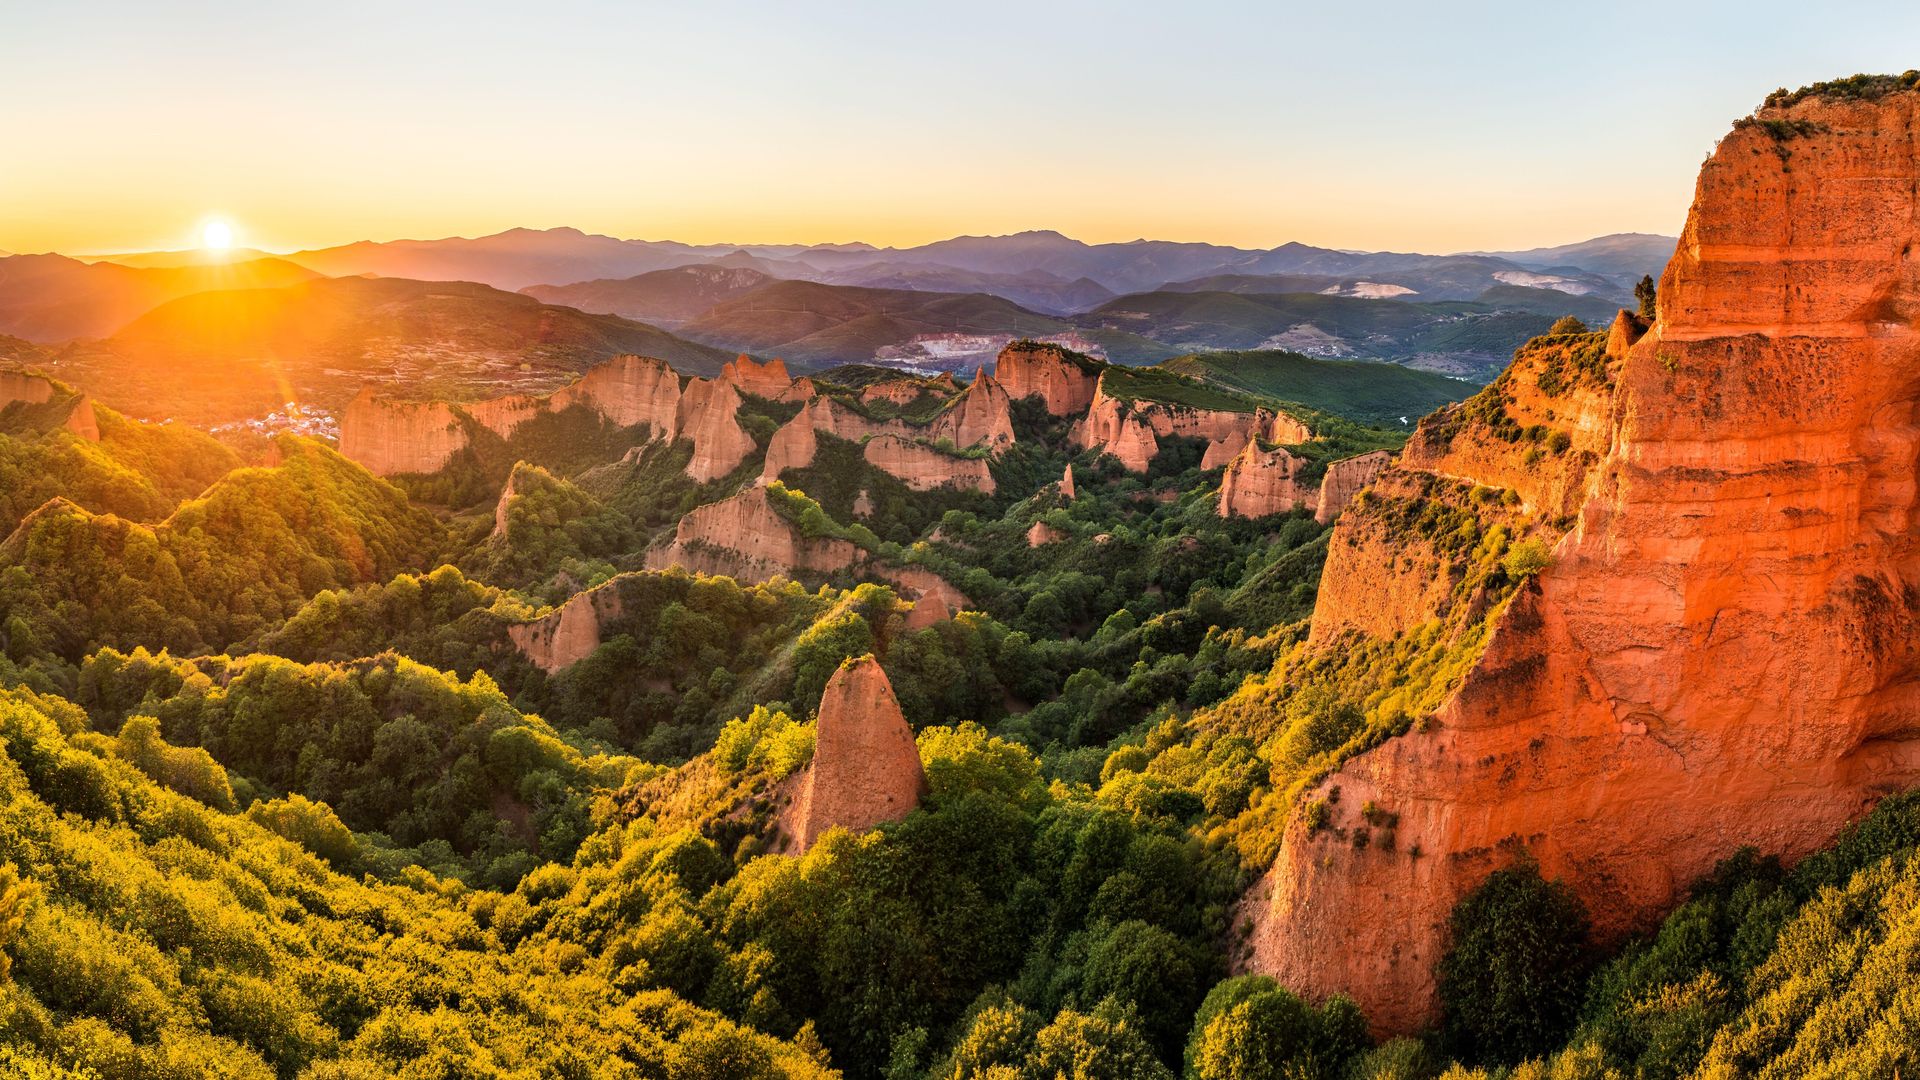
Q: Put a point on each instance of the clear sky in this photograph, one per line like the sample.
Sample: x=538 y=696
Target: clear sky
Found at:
x=1419 y=126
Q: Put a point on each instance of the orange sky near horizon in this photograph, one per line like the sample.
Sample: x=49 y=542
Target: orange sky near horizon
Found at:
x=1387 y=126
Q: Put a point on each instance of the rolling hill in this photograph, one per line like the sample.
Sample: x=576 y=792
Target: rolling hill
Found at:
x=1363 y=390
x=668 y=297
x=1460 y=338
x=1623 y=256
x=226 y=355
x=49 y=298
x=814 y=323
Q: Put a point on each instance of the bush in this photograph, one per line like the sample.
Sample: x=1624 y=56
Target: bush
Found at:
x=1511 y=985
x=1527 y=558
x=312 y=825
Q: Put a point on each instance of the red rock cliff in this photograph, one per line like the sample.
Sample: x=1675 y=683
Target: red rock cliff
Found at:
x=1261 y=482
x=1721 y=653
x=389 y=437
x=1344 y=480
x=923 y=468
x=707 y=418
x=744 y=537
x=768 y=380
x=629 y=390
x=1027 y=369
x=569 y=633
x=866 y=769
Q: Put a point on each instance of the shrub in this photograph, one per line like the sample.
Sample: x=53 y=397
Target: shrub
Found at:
x=1511 y=984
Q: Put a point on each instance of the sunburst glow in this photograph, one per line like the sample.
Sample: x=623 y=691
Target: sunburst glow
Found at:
x=216 y=236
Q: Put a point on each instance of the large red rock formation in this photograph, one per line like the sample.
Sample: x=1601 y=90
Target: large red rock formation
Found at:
x=768 y=380
x=81 y=419
x=866 y=769
x=569 y=633
x=891 y=444
x=1344 y=480
x=1721 y=653
x=1131 y=430
x=390 y=437
x=504 y=415
x=1028 y=369
x=1261 y=482
x=1221 y=452
x=18 y=386
x=922 y=468
x=707 y=418
x=395 y=437
x=983 y=416
x=1110 y=427
x=928 y=610
x=629 y=390
x=802 y=389
x=1066 y=483
x=744 y=537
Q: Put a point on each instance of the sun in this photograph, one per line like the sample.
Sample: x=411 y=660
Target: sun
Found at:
x=216 y=236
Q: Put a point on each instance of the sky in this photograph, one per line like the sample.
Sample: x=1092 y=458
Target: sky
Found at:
x=1380 y=126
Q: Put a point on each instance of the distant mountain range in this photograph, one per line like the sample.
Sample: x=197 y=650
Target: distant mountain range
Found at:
x=254 y=327
x=1041 y=270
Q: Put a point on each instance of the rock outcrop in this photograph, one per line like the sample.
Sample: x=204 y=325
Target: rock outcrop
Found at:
x=1221 y=452
x=923 y=468
x=629 y=390
x=706 y=417
x=1063 y=380
x=802 y=389
x=1040 y=534
x=929 y=610
x=504 y=415
x=1721 y=652
x=393 y=437
x=865 y=769
x=1131 y=429
x=569 y=633
x=1066 y=483
x=389 y=437
x=500 y=508
x=893 y=445
x=1344 y=480
x=768 y=380
x=18 y=386
x=982 y=416
x=81 y=419
x=1261 y=482
x=745 y=538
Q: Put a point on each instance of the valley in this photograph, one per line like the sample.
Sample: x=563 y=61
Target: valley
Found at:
x=554 y=655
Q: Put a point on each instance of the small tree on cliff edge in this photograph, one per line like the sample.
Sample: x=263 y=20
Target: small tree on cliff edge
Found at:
x=1644 y=292
x=1511 y=985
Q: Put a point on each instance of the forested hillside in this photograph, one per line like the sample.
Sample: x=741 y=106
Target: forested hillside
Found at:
x=489 y=771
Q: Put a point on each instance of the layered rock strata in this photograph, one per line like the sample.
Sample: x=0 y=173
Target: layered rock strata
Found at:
x=1720 y=653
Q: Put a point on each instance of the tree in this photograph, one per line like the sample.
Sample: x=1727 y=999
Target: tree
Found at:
x=15 y=897
x=1512 y=982
x=1566 y=324
x=1273 y=1035
x=1645 y=293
